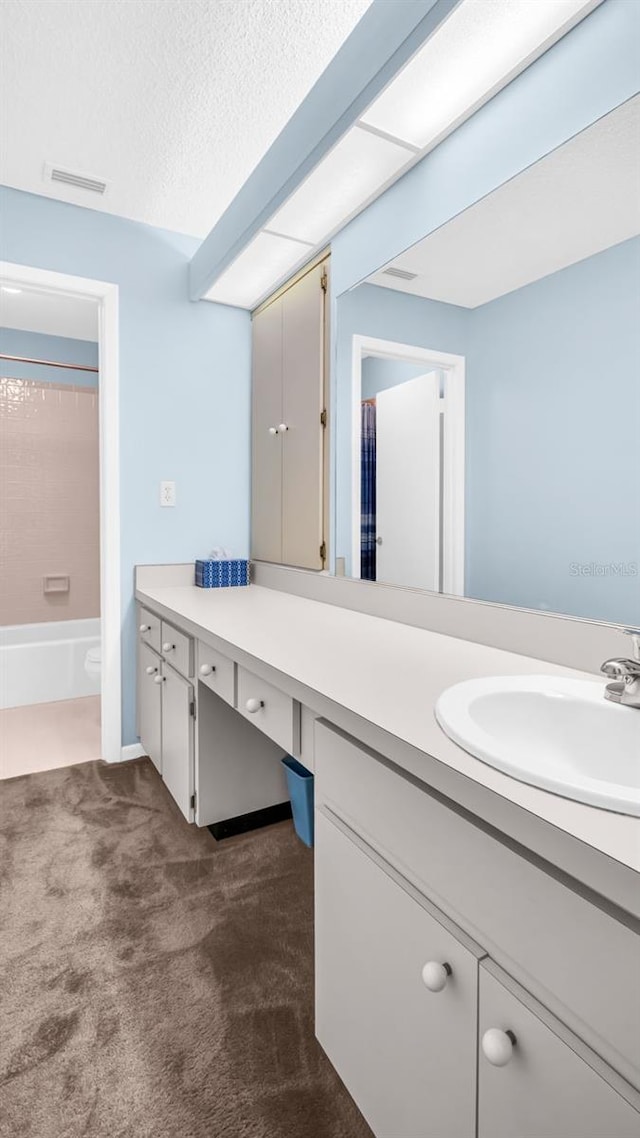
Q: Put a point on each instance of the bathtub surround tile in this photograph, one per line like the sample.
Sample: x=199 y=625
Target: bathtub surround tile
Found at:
x=157 y=983
x=46 y=736
x=50 y=521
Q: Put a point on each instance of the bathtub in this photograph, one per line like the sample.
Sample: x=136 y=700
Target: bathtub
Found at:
x=42 y=663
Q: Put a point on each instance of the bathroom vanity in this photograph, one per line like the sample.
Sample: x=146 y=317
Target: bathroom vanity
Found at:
x=477 y=938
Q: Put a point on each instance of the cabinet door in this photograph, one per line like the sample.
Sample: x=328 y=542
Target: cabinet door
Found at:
x=266 y=447
x=149 y=704
x=177 y=738
x=405 y=1053
x=302 y=405
x=545 y=1089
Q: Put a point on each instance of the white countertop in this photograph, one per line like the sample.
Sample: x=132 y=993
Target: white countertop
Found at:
x=391 y=675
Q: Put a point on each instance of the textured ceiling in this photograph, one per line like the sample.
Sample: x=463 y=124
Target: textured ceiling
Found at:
x=582 y=198
x=172 y=102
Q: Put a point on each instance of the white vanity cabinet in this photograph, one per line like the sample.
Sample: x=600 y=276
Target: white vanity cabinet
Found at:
x=178 y=712
x=166 y=705
x=405 y=880
x=396 y=996
x=545 y=1082
x=219 y=758
x=149 y=703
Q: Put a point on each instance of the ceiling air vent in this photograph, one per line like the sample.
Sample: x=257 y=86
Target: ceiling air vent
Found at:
x=72 y=178
x=401 y=274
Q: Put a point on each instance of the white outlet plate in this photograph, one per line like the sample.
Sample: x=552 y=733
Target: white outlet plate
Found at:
x=167 y=493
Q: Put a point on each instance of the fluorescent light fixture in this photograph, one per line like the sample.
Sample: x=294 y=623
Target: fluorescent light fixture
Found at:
x=13 y=291
x=257 y=269
x=479 y=48
x=350 y=174
x=475 y=52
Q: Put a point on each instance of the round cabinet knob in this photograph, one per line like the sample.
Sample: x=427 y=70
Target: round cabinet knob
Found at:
x=273 y=430
x=497 y=1046
x=378 y=541
x=253 y=705
x=167 y=647
x=145 y=628
x=282 y=428
x=158 y=679
x=435 y=975
x=206 y=669
x=150 y=670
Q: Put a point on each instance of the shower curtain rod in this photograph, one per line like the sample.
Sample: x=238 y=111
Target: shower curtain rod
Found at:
x=47 y=363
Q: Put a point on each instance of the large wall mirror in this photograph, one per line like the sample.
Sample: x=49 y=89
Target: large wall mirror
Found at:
x=488 y=394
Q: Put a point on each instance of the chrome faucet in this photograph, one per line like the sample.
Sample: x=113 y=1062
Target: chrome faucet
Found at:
x=625 y=684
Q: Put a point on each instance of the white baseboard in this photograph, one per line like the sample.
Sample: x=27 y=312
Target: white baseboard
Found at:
x=132 y=751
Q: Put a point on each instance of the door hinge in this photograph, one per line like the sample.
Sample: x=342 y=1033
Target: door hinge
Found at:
x=323 y=418
x=324 y=281
x=192 y=709
x=323 y=551
x=192 y=802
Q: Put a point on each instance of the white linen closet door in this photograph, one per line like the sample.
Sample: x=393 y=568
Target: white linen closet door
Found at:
x=266 y=442
x=302 y=403
x=408 y=483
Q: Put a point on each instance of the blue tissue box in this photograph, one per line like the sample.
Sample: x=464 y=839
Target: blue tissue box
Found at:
x=221 y=574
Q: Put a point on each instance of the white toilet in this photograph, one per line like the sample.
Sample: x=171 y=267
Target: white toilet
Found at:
x=93 y=663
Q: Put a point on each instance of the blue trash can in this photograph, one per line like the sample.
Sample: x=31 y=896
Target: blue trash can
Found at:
x=300 y=784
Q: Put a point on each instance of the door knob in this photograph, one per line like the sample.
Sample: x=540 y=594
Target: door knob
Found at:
x=435 y=975
x=168 y=647
x=206 y=669
x=497 y=1046
x=282 y=428
x=145 y=628
x=158 y=679
x=273 y=430
x=150 y=670
x=378 y=541
x=253 y=705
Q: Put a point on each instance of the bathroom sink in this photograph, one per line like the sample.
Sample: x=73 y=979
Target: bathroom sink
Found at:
x=550 y=731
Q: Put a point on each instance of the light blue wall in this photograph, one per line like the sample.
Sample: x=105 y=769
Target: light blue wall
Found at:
x=184 y=387
x=553 y=442
x=385 y=314
x=62 y=349
x=552 y=430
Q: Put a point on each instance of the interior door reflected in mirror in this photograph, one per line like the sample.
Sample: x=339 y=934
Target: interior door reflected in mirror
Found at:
x=488 y=394
x=409 y=529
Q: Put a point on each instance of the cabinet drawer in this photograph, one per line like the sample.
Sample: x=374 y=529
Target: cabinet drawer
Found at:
x=217 y=672
x=269 y=709
x=177 y=649
x=149 y=628
x=406 y=1054
x=554 y=941
x=551 y=1084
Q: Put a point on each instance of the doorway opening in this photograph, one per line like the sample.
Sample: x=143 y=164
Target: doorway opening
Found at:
x=60 y=595
x=407 y=461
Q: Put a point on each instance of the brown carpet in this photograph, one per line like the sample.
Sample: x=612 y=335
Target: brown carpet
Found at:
x=154 y=982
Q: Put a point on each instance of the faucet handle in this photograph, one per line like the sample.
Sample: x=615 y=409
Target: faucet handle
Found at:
x=618 y=667
x=634 y=633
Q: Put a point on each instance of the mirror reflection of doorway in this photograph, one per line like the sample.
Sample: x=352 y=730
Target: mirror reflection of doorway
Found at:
x=411 y=455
